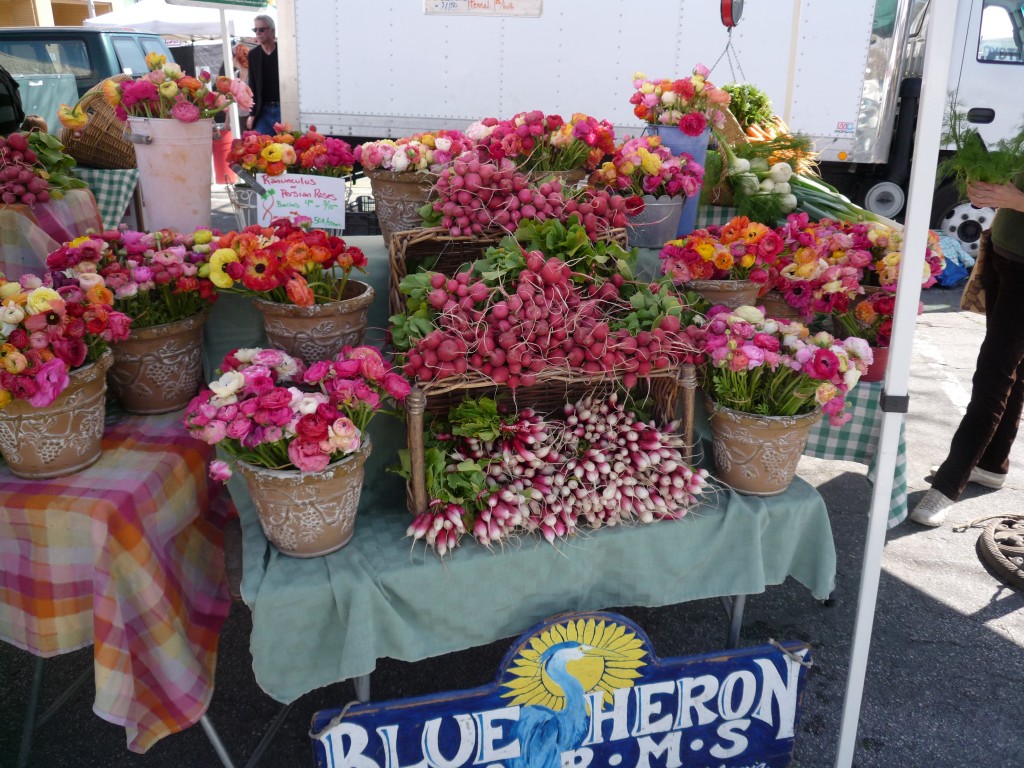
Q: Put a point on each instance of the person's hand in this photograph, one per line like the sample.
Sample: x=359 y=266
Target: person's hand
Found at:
x=248 y=122
x=983 y=194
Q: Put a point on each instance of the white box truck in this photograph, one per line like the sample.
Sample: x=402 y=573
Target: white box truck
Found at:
x=846 y=73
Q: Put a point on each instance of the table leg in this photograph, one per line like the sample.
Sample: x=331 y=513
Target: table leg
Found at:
x=734 y=610
x=29 y=728
x=214 y=738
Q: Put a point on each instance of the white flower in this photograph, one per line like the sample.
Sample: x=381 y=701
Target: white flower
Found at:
x=10 y=315
x=88 y=280
x=288 y=367
x=668 y=98
x=227 y=387
x=246 y=354
x=305 y=403
x=851 y=377
x=752 y=315
x=399 y=162
x=442 y=143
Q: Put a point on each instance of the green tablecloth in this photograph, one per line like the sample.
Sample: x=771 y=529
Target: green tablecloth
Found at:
x=327 y=619
x=112 y=189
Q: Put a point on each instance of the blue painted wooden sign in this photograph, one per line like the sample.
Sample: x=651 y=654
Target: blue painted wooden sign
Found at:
x=586 y=691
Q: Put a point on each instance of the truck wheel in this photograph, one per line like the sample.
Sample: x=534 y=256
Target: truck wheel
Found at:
x=885 y=198
x=959 y=219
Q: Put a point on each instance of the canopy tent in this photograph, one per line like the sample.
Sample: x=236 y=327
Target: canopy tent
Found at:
x=179 y=20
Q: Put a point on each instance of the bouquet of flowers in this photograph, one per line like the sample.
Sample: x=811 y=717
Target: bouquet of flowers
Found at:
x=646 y=167
x=869 y=319
x=692 y=103
x=774 y=368
x=291 y=151
x=266 y=408
x=429 y=152
x=166 y=92
x=533 y=141
x=153 y=277
x=739 y=250
x=284 y=263
x=50 y=326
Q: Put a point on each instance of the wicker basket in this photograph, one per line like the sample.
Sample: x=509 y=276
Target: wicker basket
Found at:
x=436 y=250
x=102 y=143
x=671 y=391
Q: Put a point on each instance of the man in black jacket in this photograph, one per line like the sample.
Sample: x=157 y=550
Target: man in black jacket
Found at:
x=11 y=112
x=263 y=78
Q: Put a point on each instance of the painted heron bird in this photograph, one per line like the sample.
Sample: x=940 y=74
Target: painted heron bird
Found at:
x=545 y=733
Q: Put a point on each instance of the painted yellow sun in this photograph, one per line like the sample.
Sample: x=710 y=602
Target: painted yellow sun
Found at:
x=612 y=659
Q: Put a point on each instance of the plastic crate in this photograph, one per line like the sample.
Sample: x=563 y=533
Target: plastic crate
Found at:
x=361 y=223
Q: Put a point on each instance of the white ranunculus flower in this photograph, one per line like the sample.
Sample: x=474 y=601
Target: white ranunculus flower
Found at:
x=228 y=385
x=752 y=315
x=442 y=143
x=399 y=162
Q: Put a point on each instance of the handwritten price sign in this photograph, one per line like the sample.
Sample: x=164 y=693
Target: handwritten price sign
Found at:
x=321 y=198
x=483 y=7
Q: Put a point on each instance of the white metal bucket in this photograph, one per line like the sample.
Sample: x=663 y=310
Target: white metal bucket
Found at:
x=174 y=171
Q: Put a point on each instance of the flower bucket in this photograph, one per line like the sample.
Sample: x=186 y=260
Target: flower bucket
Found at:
x=731 y=293
x=656 y=224
x=757 y=455
x=776 y=306
x=222 y=173
x=308 y=514
x=174 y=171
x=876 y=371
x=320 y=331
x=398 y=198
x=695 y=146
x=65 y=436
x=159 y=369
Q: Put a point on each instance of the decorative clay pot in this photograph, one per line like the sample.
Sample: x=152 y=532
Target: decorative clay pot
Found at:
x=308 y=514
x=398 y=198
x=65 y=436
x=656 y=224
x=320 y=331
x=159 y=369
x=757 y=455
x=732 y=293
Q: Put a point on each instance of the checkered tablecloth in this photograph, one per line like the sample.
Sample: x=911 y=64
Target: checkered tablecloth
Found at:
x=112 y=189
x=857 y=441
x=126 y=556
x=708 y=215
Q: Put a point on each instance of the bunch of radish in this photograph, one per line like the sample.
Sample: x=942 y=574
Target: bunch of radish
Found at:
x=19 y=182
x=543 y=320
x=599 y=465
x=475 y=196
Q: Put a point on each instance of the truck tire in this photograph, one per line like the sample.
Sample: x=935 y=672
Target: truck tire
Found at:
x=958 y=218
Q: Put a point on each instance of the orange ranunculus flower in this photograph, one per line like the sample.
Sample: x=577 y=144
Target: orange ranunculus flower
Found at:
x=805 y=255
x=223 y=84
x=754 y=232
x=111 y=92
x=641 y=111
x=319 y=254
x=276 y=169
x=731 y=231
x=299 y=292
x=865 y=313
x=723 y=260
x=189 y=83
x=298 y=256
x=284 y=138
x=99 y=294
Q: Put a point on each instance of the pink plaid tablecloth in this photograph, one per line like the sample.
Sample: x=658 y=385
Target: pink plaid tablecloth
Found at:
x=126 y=556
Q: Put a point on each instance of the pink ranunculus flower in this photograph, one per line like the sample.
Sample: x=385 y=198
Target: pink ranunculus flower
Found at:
x=185 y=111
x=242 y=95
x=397 y=386
x=50 y=380
x=220 y=471
x=307 y=455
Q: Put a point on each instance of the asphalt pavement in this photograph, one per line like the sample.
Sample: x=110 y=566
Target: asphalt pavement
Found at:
x=946 y=665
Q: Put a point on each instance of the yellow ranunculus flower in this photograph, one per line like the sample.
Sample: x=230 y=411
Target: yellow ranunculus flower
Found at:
x=155 y=60
x=892 y=259
x=428 y=139
x=40 y=300
x=168 y=89
x=5 y=398
x=202 y=237
x=805 y=256
x=9 y=290
x=647 y=88
x=747 y=260
x=72 y=118
x=218 y=276
x=627 y=168
x=806 y=271
x=15 y=362
x=111 y=92
x=651 y=164
x=79 y=241
x=272 y=153
x=706 y=250
x=173 y=71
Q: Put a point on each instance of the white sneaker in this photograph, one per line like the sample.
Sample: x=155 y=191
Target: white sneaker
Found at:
x=932 y=509
x=982 y=477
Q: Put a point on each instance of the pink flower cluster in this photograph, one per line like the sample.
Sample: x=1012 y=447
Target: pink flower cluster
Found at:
x=644 y=166
x=776 y=368
x=420 y=152
x=533 y=141
x=267 y=408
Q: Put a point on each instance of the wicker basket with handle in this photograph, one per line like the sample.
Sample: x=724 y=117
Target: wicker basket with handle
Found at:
x=434 y=249
x=671 y=392
x=102 y=143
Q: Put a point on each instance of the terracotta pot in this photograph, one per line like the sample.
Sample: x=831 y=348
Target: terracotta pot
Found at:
x=656 y=224
x=775 y=305
x=398 y=198
x=65 y=436
x=320 y=331
x=732 y=293
x=757 y=455
x=876 y=371
x=308 y=514
x=159 y=369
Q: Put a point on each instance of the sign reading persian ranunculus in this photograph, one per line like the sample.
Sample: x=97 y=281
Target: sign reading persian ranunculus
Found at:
x=586 y=690
x=321 y=198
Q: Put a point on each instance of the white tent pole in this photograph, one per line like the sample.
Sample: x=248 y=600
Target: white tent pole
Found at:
x=229 y=70
x=942 y=15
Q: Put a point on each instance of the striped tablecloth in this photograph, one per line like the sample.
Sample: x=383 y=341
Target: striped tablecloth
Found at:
x=126 y=556
x=112 y=189
x=857 y=441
